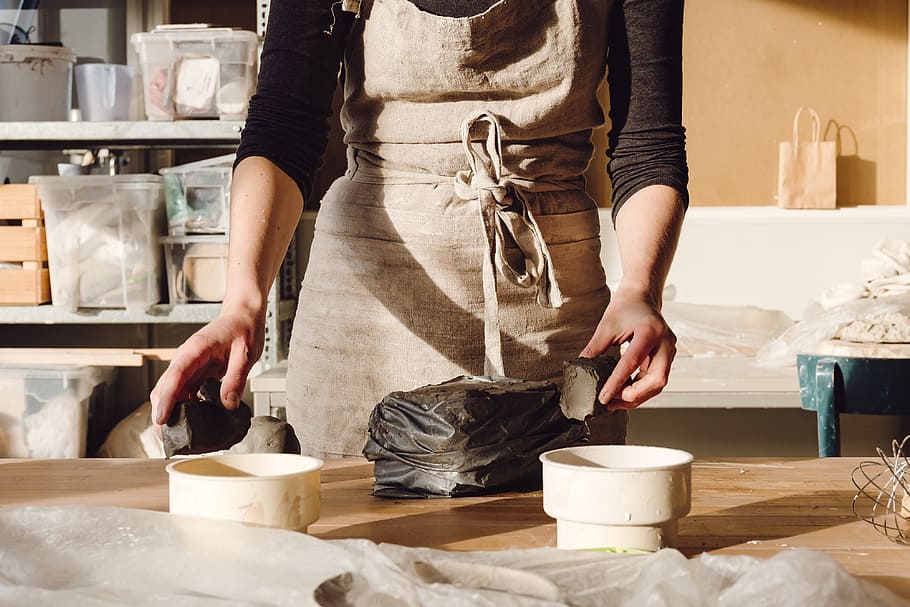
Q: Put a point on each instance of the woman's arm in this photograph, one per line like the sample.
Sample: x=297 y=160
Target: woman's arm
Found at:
x=267 y=204
x=647 y=141
x=288 y=117
x=280 y=150
x=649 y=174
x=647 y=232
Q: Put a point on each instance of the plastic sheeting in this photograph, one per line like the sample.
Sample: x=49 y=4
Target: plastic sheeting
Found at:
x=708 y=330
x=806 y=336
x=98 y=557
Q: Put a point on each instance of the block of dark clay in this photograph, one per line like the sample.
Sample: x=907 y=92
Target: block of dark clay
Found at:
x=203 y=425
x=268 y=435
x=583 y=379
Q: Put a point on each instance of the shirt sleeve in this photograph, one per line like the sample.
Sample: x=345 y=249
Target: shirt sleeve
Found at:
x=287 y=122
x=647 y=142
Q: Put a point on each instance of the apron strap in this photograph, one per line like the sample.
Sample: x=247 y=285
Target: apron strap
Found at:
x=503 y=210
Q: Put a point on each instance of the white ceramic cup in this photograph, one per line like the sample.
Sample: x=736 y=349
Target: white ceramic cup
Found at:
x=616 y=496
x=266 y=489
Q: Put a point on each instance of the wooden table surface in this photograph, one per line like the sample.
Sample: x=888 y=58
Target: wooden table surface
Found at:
x=750 y=506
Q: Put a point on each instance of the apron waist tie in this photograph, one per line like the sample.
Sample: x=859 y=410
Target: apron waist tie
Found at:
x=504 y=210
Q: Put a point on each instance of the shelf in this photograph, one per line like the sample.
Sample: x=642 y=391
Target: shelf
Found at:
x=200 y=313
x=102 y=357
x=723 y=382
x=121 y=135
x=159 y=314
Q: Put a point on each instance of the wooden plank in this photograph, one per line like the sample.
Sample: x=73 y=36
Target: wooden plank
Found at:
x=19 y=201
x=105 y=357
x=22 y=243
x=28 y=286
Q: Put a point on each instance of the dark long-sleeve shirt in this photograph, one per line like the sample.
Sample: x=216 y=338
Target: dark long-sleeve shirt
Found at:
x=304 y=45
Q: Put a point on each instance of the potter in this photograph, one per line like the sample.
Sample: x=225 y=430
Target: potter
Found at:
x=461 y=240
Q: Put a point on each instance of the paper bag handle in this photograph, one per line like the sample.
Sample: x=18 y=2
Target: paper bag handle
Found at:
x=816 y=126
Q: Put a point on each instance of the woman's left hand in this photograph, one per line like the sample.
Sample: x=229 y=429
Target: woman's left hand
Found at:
x=634 y=318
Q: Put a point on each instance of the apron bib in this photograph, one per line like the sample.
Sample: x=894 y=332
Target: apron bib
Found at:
x=460 y=240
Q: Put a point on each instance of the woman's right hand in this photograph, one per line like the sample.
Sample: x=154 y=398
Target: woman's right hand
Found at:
x=265 y=209
x=225 y=349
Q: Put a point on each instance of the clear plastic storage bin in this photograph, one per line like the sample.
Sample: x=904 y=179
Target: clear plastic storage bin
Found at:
x=197 y=72
x=102 y=239
x=198 y=196
x=46 y=412
x=196 y=268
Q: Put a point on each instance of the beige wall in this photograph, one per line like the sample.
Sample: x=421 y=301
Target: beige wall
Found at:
x=749 y=64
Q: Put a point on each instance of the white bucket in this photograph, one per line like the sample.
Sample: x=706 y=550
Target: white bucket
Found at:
x=104 y=91
x=264 y=489
x=36 y=82
x=616 y=496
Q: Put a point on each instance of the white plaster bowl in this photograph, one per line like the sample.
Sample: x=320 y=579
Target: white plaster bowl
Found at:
x=616 y=496
x=266 y=489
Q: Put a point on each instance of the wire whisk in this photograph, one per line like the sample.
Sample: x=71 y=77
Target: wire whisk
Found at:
x=883 y=498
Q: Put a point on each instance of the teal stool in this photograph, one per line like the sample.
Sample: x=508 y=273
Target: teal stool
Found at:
x=831 y=385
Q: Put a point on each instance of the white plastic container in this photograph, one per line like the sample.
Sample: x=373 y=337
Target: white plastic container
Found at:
x=197 y=72
x=104 y=91
x=45 y=412
x=616 y=496
x=196 y=268
x=36 y=82
x=267 y=489
x=198 y=196
x=102 y=239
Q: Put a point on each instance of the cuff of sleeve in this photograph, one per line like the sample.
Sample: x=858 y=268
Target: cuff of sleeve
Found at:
x=304 y=181
x=621 y=197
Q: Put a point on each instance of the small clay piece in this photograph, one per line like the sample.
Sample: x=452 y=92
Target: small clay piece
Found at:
x=583 y=379
x=203 y=425
x=268 y=435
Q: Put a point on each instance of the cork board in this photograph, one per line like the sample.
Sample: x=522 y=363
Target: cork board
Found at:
x=749 y=64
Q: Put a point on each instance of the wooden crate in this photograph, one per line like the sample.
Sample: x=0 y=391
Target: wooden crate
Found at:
x=19 y=201
x=23 y=242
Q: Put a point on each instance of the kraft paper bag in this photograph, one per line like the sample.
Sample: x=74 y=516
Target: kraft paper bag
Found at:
x=807 y=174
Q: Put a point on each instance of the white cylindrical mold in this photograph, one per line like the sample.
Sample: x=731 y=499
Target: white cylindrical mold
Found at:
x=266 y=489
x=616 y=496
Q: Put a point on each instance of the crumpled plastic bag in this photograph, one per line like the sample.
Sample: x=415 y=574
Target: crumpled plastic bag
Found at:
x=78 y=556
x=708 y=330
x=547 y=576
x=466 y=436
x=101 y=557
x=807 y=334
x=886 y=273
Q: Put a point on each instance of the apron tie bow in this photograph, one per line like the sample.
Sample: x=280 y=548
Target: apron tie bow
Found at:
x=506 y=215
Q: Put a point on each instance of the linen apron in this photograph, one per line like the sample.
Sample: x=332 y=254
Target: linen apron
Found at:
x=461 y=239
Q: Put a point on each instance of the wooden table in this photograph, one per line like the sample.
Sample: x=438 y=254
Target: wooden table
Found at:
x=752 y=506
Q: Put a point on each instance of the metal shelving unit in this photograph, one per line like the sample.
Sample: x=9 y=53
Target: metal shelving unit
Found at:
x=116 y=136
x=150 y=135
